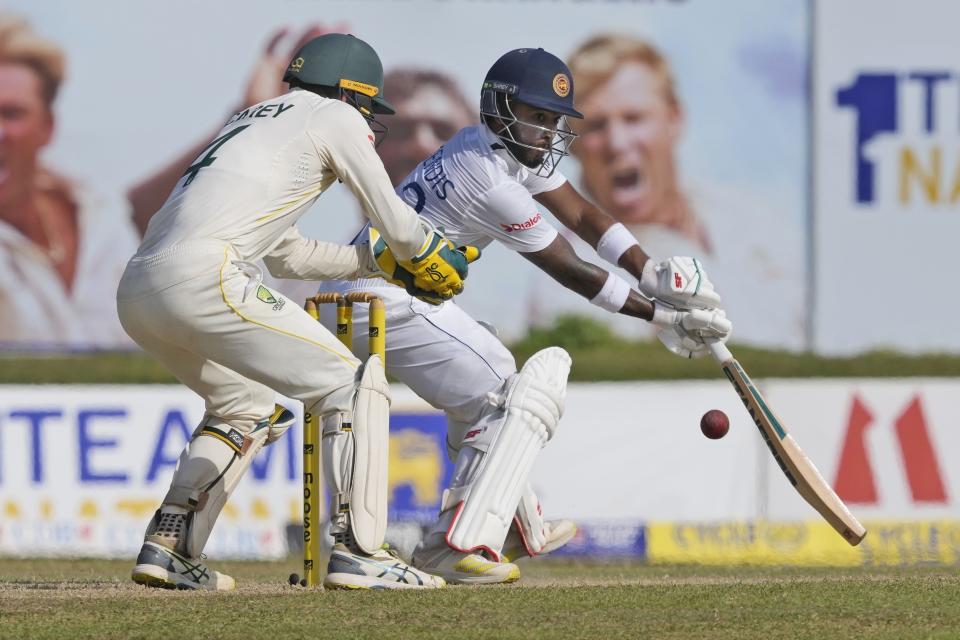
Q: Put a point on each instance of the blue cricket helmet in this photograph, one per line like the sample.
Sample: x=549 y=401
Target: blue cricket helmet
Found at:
x=532 y=76
x=541 y=80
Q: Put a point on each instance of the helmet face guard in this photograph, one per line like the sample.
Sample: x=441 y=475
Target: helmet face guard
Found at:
x=360 y=97
x=495 y=102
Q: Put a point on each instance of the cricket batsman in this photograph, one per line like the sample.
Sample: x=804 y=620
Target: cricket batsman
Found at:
x=192 y=297
x=484 y=185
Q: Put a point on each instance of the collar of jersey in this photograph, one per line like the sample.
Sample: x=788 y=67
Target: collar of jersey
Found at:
x=490 y=139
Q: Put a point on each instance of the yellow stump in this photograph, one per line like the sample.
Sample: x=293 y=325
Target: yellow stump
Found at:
x=311 y=500
x=312 y=488
x=345 y=322
x=377 y=341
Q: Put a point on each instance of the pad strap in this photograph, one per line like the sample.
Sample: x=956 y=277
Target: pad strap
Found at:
x=231 y=437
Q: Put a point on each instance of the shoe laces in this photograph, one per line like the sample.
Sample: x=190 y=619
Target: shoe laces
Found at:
x=390 y=551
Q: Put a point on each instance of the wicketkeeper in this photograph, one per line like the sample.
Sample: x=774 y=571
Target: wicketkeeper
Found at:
x=192 y=297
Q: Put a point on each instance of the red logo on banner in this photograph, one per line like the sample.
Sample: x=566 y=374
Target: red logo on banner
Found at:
x=855 y=476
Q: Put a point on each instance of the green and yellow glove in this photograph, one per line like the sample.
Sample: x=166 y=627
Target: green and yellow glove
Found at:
x=436 y=273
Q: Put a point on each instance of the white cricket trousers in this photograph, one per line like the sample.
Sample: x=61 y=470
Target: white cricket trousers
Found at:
x=229 y=338
x=439 y=351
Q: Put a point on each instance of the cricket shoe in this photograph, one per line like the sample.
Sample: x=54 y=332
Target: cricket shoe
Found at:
x=380 y=570
x=158 y=566
x=457 y=567
x=557 y=532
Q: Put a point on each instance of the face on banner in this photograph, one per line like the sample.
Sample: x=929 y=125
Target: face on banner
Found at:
x=631 y=128
x=694 y=130
x=430 y=109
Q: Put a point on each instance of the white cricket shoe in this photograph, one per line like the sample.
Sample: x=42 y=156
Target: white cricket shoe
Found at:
x=381 y=570
x=457 y=567
x=558 y=533
x=158 y=566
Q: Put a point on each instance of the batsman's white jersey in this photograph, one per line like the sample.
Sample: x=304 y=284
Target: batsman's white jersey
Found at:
x=192 y=296
x=478 y=193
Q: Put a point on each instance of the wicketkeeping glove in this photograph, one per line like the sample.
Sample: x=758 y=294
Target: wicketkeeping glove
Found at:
x=436 y=273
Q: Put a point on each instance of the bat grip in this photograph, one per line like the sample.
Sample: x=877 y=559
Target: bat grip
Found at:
x=720 y=352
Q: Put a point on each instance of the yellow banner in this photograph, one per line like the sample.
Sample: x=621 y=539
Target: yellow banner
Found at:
x=803 y=543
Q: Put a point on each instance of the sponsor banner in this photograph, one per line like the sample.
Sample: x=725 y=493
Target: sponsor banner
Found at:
x=637 y=453
x=884 y=445
x=803 y=543
x=886 y=171
x=419 y=467
x=607 y=540
x=82 y=469
x=631 y=451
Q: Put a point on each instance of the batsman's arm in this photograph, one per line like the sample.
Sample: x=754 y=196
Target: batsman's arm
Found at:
x=602 y=288
x=601 y=231
x=794 y=463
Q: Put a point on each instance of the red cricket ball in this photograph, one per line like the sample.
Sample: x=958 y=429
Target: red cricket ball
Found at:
x=714 y=424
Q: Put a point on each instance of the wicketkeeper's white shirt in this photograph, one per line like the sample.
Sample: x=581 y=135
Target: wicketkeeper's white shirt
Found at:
x=264 y=170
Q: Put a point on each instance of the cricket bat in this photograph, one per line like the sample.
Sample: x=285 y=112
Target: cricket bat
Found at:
x=789 y=456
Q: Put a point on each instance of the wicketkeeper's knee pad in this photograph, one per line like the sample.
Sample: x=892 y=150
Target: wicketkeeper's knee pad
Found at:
x=493 y=465
x=208 y=471
x=356 y=447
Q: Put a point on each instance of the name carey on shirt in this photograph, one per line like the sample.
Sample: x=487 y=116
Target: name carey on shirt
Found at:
x=261 y=111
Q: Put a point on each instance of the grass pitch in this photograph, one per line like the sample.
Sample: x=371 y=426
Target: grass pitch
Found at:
x=555 y=599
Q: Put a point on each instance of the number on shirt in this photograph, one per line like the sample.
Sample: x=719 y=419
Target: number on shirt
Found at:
x=208 y=159
x=417 y=191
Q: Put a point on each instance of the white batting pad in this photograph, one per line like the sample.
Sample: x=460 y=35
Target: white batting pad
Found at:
x=355 y=456
x=487 y=485
x=530 y=522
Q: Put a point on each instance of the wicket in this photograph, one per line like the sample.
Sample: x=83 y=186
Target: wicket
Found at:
x=312 y=486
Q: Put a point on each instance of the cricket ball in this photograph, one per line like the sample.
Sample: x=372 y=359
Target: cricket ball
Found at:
x=714 y=424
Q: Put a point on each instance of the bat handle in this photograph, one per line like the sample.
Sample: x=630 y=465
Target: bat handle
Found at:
x=720 y=352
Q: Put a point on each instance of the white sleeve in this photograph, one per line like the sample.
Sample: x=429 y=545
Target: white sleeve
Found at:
x=535 y=184
x=302 y=258
x=346 y=145
x=509 y=214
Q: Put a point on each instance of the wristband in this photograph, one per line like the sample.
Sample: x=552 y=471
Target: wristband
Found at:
x=614 y=242
x=613 y=295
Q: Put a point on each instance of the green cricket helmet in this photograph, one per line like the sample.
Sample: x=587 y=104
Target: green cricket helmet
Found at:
x=344 y=61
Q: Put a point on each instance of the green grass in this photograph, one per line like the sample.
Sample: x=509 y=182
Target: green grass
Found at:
x=83 y=368
x=597 y=354
x=556 y=599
